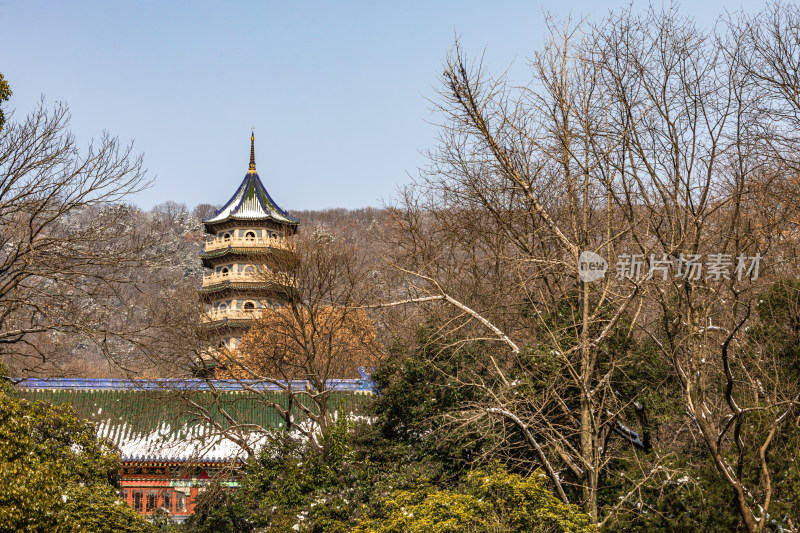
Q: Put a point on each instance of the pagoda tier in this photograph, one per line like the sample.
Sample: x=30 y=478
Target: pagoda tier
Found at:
x=231 y=321
x=248 y=238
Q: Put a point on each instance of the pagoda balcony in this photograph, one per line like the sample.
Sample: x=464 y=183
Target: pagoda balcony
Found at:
x=216 y=278
x=232 y=314
x=244 y=242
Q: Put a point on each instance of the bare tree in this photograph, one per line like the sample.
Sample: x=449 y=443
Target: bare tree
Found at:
x=70 y=249
x=646 y=141
x=516 y=192
x=702 y=156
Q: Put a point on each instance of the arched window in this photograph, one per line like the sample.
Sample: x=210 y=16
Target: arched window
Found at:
x=250 y=236
x=226 y=237
x=224 y=271
x=222 y=307
x=249 y=306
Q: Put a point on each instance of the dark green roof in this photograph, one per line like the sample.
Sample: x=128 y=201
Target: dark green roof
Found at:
x=157 y=425
x=233 y=250
x=228 y=323
x=246 y=286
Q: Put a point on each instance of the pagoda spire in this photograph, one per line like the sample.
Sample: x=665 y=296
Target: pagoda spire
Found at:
x=252 y=151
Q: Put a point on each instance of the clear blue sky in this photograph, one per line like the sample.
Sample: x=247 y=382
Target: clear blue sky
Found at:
x=336 y=90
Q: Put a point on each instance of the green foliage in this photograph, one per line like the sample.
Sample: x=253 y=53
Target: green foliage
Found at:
x=680 y=496
x=409 y=471
x=439 y=511
x=290 y=482
x=416 y=388
x=341 y=486
x=99 y=510
x=771 y=356
x=54 y=473
x=776 y=334
x=488 y=501
x=220 y=510
x=689 y=494
x=5 y=94
x=327 y=487
x=163 y=522
x=525 y=503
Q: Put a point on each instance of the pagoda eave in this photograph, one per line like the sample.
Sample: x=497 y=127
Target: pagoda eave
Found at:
x=209 y=294
x=210 y=259
x=243 y=286
x=227 y=323
x=235 y=221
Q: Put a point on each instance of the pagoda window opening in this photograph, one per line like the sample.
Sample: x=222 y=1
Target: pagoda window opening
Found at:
x=152 y=500
x=124 y=495
x=138 y=497
x=249 y=236
x=224 y=270
x=226 y=236
x=249 y=306
x=222 y=307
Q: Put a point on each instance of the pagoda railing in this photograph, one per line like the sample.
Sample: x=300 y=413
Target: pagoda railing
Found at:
x=243 y=242
x=232 y=314
x=215 y=278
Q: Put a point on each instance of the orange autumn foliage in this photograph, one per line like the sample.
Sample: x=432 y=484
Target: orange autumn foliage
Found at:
x=300 y=343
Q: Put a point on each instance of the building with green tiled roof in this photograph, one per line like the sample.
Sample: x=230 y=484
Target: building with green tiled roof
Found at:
x=175 y=435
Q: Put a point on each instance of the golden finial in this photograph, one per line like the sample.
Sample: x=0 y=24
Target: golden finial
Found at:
x=253 y=150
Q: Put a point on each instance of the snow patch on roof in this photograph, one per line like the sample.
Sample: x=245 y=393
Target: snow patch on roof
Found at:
x=198 y=442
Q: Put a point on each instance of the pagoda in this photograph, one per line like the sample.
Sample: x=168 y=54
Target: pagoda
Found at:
x=248 y=240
